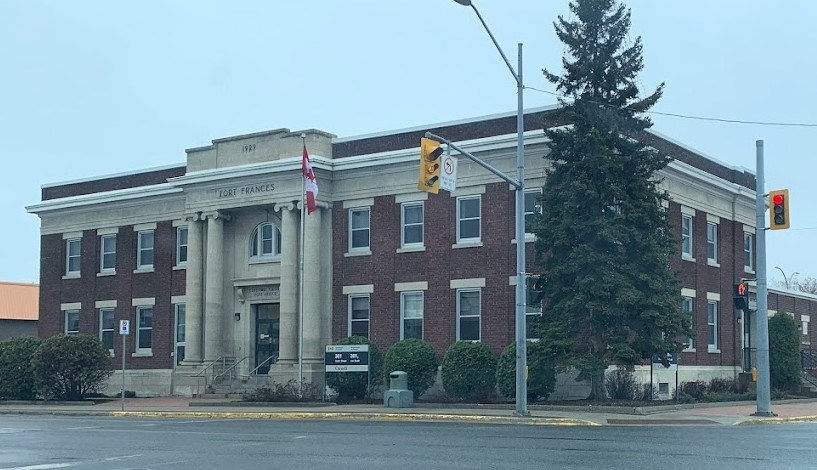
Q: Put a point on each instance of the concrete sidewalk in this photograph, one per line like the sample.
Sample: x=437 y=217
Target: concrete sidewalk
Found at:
x=734 y=413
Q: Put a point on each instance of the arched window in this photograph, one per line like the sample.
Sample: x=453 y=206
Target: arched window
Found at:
x=266 y=241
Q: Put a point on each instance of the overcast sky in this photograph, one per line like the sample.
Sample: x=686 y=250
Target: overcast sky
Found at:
x=90 y=88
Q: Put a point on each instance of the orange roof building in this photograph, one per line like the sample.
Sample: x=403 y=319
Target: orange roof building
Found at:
x=19 y=301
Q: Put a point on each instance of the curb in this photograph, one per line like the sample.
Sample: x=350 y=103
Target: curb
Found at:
x=419 y=417
x=759 y=421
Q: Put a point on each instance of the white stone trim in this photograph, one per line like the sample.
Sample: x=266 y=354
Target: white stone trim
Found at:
x=468 y=191
x=143 y=302
x=713 y=296
x=71 y=235
x=749 y=229
x=352 y=203
x=467 y=283
x=805 y=318
x=107 y=231
x=411 y=249
x=359 y=289
x=411 y=197
x=686 y=210
x=71 y=306
x=181 y=223
x=178 y=299
x=105 y=304
x=143 y=227
x=406 y=286
x=713 y=218
x=688 y=292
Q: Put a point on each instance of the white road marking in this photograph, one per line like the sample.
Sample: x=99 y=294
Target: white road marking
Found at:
x=43 y=466
x=83 y=427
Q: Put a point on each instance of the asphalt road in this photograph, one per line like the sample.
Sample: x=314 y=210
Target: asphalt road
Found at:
x=85 y=443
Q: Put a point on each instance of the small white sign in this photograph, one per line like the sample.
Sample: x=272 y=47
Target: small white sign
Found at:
x=448 y=173
x=347 y=368
x=124 y=327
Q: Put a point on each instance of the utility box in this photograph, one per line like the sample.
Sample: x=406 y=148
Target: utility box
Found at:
x=398 y=395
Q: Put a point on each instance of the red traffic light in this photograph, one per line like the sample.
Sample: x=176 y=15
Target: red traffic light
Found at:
x=778 y=199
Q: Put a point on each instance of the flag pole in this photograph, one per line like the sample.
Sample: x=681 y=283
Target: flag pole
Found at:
x=301 y=278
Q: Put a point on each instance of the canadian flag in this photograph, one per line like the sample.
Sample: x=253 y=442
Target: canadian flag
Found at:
x=309 y=183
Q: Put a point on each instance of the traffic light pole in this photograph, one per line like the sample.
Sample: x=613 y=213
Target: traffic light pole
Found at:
x=521 y=344
x=764 y=407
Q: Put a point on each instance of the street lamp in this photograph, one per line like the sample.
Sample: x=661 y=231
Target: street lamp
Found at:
x=521 y=346
x=786 y=279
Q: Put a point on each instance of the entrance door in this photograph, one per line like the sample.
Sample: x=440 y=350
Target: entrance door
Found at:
x=267 y=321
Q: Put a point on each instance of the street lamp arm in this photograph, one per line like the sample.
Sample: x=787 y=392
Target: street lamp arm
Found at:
x=488 y=30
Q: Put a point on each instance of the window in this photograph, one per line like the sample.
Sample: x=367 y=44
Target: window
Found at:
x=144 y=333
x=266 y=241
x=359 y=315
x=748 y=251
x=686 y=236
x=144 y=249
x=181 y=245
x=72 y=256
x=106 y=327
x=180 y=325
x=71 y=322
x=468 y=306
x=412 y=223
x=359 y=229
x=107 y=253
x=686 y=307
x=532 y=207
x=468 y=219
x=533 y=308
x=712 y=242
x=411 y=310
x=712 y=323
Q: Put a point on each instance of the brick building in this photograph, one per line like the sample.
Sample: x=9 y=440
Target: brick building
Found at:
x=202 y=258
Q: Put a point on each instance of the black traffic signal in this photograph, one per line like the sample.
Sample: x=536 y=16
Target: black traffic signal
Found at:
x=779 y=211
x=429 y=175
x=740 y=296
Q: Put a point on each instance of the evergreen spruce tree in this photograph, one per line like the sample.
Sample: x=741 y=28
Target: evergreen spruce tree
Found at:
x=603 y=235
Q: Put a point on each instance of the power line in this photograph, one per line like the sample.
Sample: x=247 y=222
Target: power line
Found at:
x=700 y=118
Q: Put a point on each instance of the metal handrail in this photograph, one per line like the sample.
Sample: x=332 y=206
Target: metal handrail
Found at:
x=230 y=370
x=255 y=371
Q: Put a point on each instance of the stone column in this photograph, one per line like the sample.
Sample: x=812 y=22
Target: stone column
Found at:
x=193 y=294
x=214 y=285
x=313 y=349
x=290 y=229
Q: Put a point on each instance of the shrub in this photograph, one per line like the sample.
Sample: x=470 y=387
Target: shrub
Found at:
x=541 y=372
x=696 y=390
x=622 y=385
x=71 y=367
x=352 y=385
x=784 y=352
x=469 y=370
x=288 y=392
x=417 y=359
x=16 y=378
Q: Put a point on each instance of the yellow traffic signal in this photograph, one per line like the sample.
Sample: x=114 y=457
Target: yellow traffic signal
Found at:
x=429 y=177
x=779 y=210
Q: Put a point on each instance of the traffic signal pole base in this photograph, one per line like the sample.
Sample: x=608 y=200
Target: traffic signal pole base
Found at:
x=764 y=414
x=526 y=414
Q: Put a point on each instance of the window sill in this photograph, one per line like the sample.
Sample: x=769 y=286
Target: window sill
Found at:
x=713 y=350
x=180 y=267
x=411 y=249
x=145 y=353
x=713 y=263
x=358 y=253
x=72 y=276
x=466 y=245
x=690 y=350
x=265 y=260
x=748 y=270
x=106 y=273
x=688 y=258
x=145 y=269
